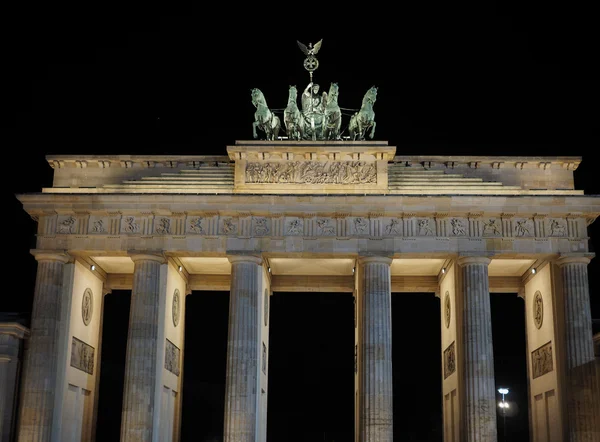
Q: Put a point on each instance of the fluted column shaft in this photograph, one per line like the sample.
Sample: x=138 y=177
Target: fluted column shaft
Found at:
x=41 y=360
x=480 y=388
x=142 y=343
x=242 y=350
x=376 y=393
x=582 y=403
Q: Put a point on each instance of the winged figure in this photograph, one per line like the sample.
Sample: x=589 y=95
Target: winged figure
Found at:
x=310 y=50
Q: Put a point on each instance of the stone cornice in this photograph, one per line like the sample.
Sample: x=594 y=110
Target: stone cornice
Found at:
x=14 y=329
x=493 y=162
x=127 y=161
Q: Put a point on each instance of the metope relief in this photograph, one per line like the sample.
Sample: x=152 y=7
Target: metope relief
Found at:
x=523 y=227
x=449 y=360
x=424 y=226
x=491 y=227
x=311 y=172
x=261 y=226
x=98 y=226
x=163 y=226
x=229 y=226
x=294 y=226
x=557 y=228
x=541 y=360
x=172 y=354
x=392 y=227
x=82 y=356
x=66 y=225
x=361 y=226
x=130 y=225
x=457 y=227
x=325 y=227
x=195 y=225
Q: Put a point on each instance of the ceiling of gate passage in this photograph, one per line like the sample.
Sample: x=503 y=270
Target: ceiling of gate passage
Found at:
x=316 y=266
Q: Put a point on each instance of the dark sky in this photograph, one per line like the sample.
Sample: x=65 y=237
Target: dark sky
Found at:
x=490 y=78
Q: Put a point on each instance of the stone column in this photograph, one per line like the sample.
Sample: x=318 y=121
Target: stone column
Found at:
x=142 y=343
x=12 y=337
x=376 y=389
x=242 y=350
x=39 y=378
x=480 y=388
x=582 y=401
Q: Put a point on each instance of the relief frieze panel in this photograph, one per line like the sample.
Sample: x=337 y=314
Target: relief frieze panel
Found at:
x=311 y=172
x=541 y=360
x=458 y=227
x=523 y=227
x=492 y=227
x=66 y=224
x=425 y=227
x=98 y=225
x=228 y=225
x=261 y=226
x=130 y=224
x=557 y=227
x=325 y=226
x=360 y=225
x=294 y=226
x=392 y=226
x=162 y=225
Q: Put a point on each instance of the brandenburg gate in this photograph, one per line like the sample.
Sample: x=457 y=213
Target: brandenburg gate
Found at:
x=312 y=211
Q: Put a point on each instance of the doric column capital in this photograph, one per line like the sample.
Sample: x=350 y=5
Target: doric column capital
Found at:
x=574 y=258
x=147 y=256
x=51 y=255
x=466 y=260
x=233 y=259
x=375 y=259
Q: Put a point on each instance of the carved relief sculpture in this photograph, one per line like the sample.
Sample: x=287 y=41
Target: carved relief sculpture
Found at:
x=457 y=227
x=196 y=225
x=538 y=309
x=312 y=172
x=522 y=228
x=264 y=359
x=324 y=227
x=172 y=353
x=295 y=227
x=176 y=307
x=424 y=227
x=491 y=227
x=361 y=225
x=392 y=227
x=447 y=309
x=130 y=225
x=449 y=360
x=556 y=228
x=164 y=226
x=98 y=227
x=260 y=226
x=82 y=356
x=229 y=226
x=87 y=306
x=266 y=307
x=541 y=360
x=67 y=225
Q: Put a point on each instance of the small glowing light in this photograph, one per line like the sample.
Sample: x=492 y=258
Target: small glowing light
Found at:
x=353 y=269
x=503 y=390
x=533 y=271
x=269 y=269
x=180 y=269
x=443 y=270
x=93 y=267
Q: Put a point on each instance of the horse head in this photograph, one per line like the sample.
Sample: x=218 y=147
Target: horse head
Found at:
x=258 y=97
x=293 y=94
x=333 y=92
x=371 y=95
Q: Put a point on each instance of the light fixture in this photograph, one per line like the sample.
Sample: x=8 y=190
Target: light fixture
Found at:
x=180 y=269
x=443 y=270
x=353 y=270
x=93 y=267
x=269 y=269
x=533 y=271
x=503 y=390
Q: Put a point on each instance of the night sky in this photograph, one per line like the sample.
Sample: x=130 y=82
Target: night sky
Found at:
x=481 y=78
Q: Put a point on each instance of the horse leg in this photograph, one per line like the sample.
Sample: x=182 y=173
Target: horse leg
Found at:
x=254 y=125
x=372 y=134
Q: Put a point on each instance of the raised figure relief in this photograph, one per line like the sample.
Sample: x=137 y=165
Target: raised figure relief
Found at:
x=260 y=226
x=541 y=360
x=295 y=227
x=361 y=225
x=522 y=228
x=538 y=309
x=457 y=227
x=67 y=225
x=164 y=226
x=176 y=308
x=449 y=360
x=130 y=225
x=447 y=309
x=491 y=227
x=312 y=172
x=87 y=305
x=424 y=227
x=98 y=227
x=82 y=356
x=556 y=228
x=229 y=226
x=392 y=227
x=172 y=356
x=324 y=227
x=196 y=225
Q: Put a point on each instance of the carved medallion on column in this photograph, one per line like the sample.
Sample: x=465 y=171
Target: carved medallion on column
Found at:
x=447 y=309
x=176 y=307
x=87 y=306
x=538 y=309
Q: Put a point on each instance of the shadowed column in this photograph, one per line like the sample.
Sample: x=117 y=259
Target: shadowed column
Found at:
x=582 y=402
x=39 y=377
x=242 y=350
x=480 y=387
x=140 y=366
x=376 y=397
